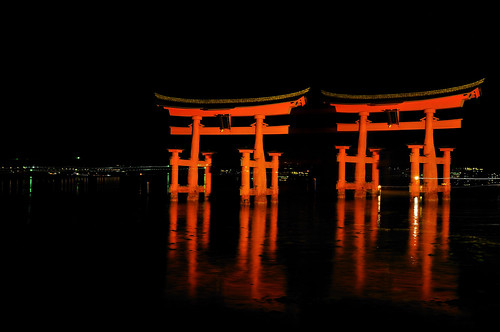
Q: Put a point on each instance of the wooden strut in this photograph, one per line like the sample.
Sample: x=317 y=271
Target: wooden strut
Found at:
x=430 y=187
x=361 y=186
x=192 y=189
x=429 y=160
x=260 y=191
x=410 y=125
x=246 y=190
x=267 y=130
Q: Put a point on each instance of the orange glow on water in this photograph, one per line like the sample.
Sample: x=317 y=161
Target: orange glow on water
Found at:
x=363 y=269
x=251 y=280
x=359 y=242
x=367 y=259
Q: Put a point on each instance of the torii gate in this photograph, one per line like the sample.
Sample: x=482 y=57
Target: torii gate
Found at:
x=225 y=109
x=392 y=104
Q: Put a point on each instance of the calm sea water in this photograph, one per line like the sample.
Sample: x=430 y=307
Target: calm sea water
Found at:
x=114 y=250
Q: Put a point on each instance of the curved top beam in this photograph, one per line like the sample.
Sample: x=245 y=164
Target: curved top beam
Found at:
x=403 y=95
x=224 y=101
x=452 y=101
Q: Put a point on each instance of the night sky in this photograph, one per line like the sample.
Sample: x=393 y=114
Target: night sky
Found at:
x=84 y=84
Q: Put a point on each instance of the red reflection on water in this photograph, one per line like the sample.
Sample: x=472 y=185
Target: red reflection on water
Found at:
x=354 y=238
x=425 y=240
x=359 y=250
x=250 y=279
x=428 y=236
x=191 y=245
x=368 y=262
x=256 y=279
x=188 y=238
x=374 y=256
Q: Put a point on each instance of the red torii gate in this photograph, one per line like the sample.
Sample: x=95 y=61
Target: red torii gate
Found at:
x=392 y=104
x=258 y=108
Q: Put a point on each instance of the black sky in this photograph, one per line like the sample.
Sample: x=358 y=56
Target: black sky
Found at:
x=83 y=83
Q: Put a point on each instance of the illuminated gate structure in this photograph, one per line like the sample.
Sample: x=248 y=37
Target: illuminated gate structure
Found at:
x=225 y=109
x=392 y=105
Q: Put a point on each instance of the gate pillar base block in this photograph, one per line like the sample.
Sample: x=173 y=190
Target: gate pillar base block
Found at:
x=193 y=196
x=260 y=199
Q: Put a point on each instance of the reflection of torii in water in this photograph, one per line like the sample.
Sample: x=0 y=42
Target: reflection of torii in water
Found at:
x=253 y=276
x=224 y=109
x=421 y=273
x=392 y=104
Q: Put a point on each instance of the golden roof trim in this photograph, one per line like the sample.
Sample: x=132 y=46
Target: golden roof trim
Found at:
x=231 y=101
x=404 y=94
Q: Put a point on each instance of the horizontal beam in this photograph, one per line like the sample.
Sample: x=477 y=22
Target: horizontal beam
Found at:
x=354 y=186
x=269 y=130
x=356 y=159
x=188 y=162
x=439 y=160
x=413 y=125
x=253 y=163
x=269 y=109
x=186 y=189
x=253 y=192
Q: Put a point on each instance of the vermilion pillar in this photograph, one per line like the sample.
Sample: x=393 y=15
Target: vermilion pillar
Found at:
x=415 y=170
x=360 y=170
x=245 y=176
x=208 y=173
x=341 y=158
x=446 y=172
x=430 y=165
x=193 y=166
x=259 y=174
x=375 y=172
x=274 y=175
x=174 y=184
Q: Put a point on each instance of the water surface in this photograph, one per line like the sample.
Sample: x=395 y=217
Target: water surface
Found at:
x=116 y=248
